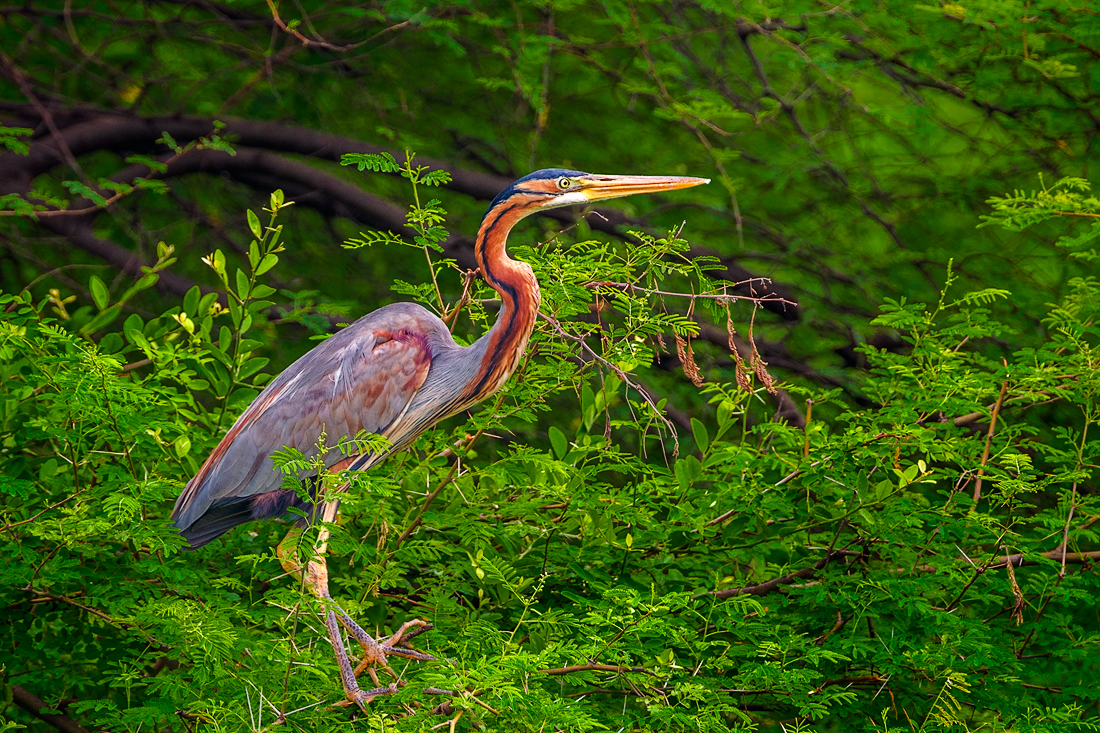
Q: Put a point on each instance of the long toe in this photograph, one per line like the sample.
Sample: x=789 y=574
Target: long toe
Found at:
x=375 y=653
x=408 y=630
x=406 y=653
x=362 y=697
x=371 y=648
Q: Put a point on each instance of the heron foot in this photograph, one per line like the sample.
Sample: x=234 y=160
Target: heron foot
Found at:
x=376 y=652
x=374 y=656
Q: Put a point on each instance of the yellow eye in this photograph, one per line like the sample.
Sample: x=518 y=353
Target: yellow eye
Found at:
x=564 y=183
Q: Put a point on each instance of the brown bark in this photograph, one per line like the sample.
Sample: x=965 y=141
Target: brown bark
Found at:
x=124 y=133
x=36 y=705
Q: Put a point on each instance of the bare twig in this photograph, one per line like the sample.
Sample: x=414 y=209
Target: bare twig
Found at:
x=46 y=596
x=594 y=668
x=978 y=572
x=841 y=622
x=13 y=525
x=619 y=373
x=325 y=44
x=721 y=298
x=427 y=503
x=988 y=441
x=723 y=517
x=442 y=484
x=62 y=144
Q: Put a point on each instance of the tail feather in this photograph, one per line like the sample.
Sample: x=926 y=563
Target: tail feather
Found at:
x=220 y=518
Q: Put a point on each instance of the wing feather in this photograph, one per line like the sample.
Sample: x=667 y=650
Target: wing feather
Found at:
x=360 y=379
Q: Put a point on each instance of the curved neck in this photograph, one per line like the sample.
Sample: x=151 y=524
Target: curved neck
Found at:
x=515 y=282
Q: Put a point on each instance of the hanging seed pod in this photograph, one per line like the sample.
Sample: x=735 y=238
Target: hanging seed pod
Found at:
x=687 y=360
x=740 y=373
x=759 y=366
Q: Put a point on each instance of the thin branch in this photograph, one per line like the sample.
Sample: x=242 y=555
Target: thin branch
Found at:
x=763 y=589
x=723 y=517
x=21 y=80
x=978 y=572
x=325 y=44
x=442 y=484
x=619 y=373
x=13 y=525
x=93 y=207
x=1020 y=560
x=46 y=596
x=594 y=668
x=988 y=441
x=721 y=298
x=841 y=622
x=427 y=503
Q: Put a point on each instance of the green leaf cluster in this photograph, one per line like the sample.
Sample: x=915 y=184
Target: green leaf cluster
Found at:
x=924 y=562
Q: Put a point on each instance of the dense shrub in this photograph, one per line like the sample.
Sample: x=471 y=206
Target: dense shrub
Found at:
x=921 y=563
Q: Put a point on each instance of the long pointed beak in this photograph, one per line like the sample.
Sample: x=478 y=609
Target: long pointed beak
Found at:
x=598 y=188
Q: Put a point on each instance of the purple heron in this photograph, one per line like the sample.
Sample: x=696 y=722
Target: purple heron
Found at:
x=395 y=372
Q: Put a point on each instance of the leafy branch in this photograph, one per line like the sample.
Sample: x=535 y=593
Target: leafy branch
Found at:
x=110 y=192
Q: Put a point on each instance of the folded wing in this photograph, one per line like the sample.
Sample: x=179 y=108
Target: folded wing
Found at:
x=360 y=379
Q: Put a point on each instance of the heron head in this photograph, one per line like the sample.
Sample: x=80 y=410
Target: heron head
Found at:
x=551 y=188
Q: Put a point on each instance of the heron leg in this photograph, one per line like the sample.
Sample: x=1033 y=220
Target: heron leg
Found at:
x=374 y=653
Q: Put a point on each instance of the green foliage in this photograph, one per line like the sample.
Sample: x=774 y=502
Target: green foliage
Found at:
x=9 y=138
x=877 y=512
x=14 y=204
x=604 y=582
x=1067 y=197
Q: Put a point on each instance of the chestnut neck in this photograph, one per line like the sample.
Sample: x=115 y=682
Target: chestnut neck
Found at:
x=515 y=282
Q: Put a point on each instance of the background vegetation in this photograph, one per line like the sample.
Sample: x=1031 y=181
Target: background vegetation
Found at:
x=643 y=532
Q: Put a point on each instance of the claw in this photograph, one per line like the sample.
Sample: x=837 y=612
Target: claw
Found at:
x=374 y=655
x=363 y=697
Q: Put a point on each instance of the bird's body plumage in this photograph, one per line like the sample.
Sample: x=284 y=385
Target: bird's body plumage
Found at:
x=394 y=372
x=362 y=378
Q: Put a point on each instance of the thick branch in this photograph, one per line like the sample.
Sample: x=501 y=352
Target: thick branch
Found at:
x=36 y=705
x=126 y=133
x=1019 y=560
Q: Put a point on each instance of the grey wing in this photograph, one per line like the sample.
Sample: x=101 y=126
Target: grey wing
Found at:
x=361 y=379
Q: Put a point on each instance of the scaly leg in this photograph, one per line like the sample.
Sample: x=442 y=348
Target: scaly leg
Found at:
x=374 y=653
